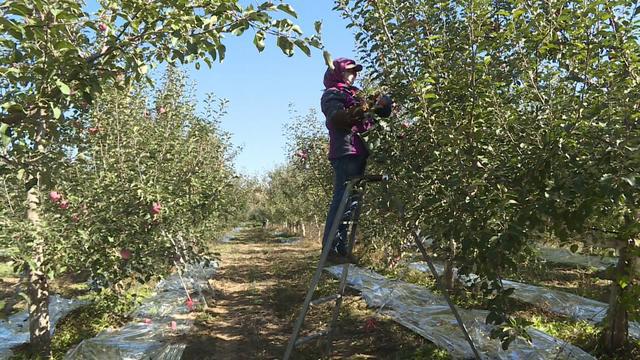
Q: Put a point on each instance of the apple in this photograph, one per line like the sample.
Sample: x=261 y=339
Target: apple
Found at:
x=189 y=304
x=94 y=130
x=55 y=196
x=64 y=204
x=103 y=27
x=125 y=254
x=155 y=208
x=370 y=324
x=162 y=110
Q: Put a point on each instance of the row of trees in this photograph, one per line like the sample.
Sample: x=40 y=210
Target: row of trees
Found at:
x=56 y=60
x=516 y=120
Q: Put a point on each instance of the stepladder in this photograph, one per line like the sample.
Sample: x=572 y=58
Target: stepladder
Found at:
x=347 y=215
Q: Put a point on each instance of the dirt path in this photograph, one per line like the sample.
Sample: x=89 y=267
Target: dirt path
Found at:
x=259 y=290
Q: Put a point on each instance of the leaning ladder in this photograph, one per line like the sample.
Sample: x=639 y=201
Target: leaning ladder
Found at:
x=294 y=340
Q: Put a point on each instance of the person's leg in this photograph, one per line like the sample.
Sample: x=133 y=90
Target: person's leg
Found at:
x=339 y=180
x=354 y=166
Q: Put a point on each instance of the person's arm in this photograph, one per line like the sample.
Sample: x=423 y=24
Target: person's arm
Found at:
x=333 y=107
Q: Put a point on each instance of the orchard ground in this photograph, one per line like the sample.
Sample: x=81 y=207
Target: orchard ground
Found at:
x=260 y=287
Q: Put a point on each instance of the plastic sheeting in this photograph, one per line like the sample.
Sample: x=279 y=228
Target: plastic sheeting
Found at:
x=565 y=256
x=157 y=322
x=15 y=330
x=556 y=301
x=232 y=234
x=428 y=315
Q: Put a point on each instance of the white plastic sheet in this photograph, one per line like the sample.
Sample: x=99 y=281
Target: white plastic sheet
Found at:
x=232 y=234
x=565 y=256
x=15 y=330
x=428 y=315
x=556 y=301
x=157 y=322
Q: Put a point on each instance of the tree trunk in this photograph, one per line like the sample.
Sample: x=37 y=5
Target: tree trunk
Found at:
x=447 y=275
x=39 y=324
x=617 y=322
x=303 y=229
x=315 y=219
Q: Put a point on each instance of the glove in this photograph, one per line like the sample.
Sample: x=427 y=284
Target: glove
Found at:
x=345 y=119
x=383 y=106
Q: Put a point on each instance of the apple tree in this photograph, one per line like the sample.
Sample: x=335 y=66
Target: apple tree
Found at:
x=57 y=58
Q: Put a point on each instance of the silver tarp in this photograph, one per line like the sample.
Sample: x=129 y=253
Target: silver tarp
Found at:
x=15 y=330
x=156 y=323
x=427 y=314
x=556 y=301
x=565 y=256
x=232 y=234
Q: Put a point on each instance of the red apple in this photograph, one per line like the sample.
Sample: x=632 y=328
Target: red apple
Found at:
x=155 y=208
x=370 y=325
x=189 y=304
x=55 y=196
x=162 y=110
x=125 y=254
x=405 y=124
x=103 y=27
x=75 y=218
x=173 y=325
x=94 y=130
x=64 y=204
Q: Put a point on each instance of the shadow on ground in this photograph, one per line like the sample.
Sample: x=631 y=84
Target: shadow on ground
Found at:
x=259 y=291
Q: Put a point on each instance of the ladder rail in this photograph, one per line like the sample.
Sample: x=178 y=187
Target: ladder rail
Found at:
x=345 y=269
x=445 y=292
x=318 y=273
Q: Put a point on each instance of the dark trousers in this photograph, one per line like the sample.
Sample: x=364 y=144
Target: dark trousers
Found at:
x=344 y=168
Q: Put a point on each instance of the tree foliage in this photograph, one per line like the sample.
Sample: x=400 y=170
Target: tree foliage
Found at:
x=518 y=118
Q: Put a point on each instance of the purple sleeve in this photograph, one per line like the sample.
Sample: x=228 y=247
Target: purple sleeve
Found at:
x=331 y=102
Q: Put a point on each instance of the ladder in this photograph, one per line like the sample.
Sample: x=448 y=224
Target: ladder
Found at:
x=352 y=187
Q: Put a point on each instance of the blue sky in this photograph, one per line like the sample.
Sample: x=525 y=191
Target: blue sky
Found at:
x=260 y=86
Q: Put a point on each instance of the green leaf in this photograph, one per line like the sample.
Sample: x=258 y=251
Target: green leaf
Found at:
x=630 y=179
x=4 y=137
x=64 y=88
x=288 y=9
x=221 y=51
x=318 y=26
x=296 y=29
x=285 y=45
x=327 y=59
x=142 y=69
x=303 y=47
x=258 y=40
x=56 y=112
